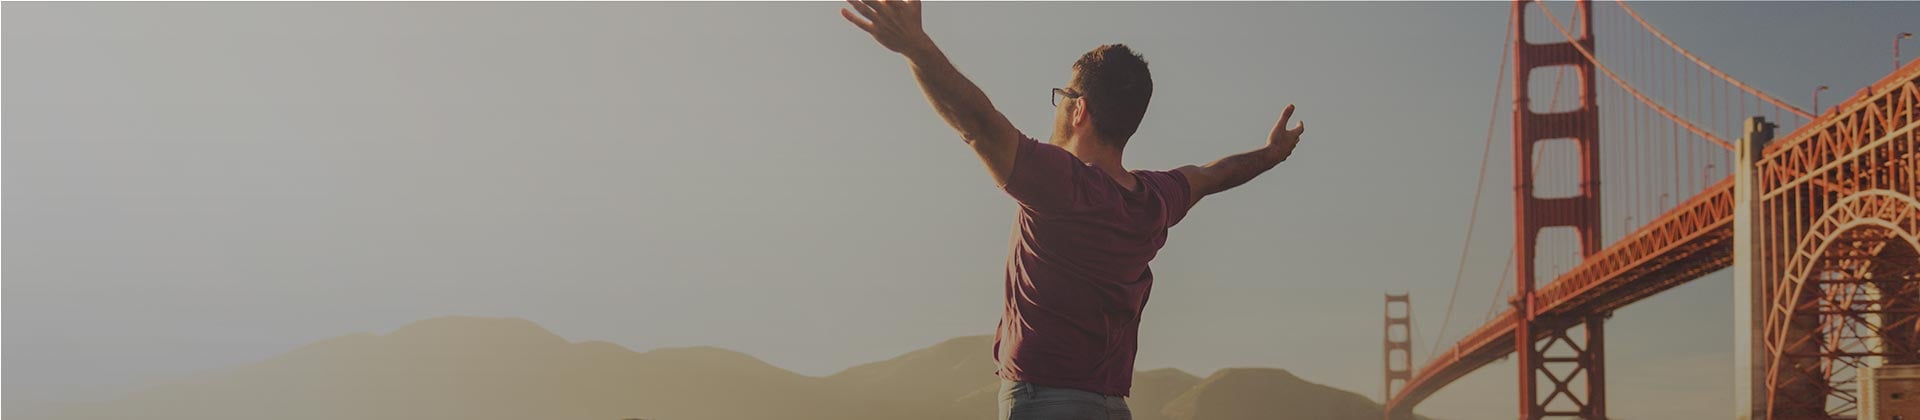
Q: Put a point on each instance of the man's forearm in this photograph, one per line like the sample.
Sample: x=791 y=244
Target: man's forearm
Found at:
x=961 y=103
x=1238 y=169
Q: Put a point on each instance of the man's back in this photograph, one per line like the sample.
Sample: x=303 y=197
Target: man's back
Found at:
x=1077 y=275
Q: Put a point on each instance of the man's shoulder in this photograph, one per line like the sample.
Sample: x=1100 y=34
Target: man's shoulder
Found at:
x=1174 y=190
x=1164 y=180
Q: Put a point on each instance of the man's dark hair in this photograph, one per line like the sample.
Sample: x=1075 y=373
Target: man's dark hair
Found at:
x=1115 y=82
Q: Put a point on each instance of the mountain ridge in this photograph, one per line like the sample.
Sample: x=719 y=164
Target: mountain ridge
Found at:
x=510 y=368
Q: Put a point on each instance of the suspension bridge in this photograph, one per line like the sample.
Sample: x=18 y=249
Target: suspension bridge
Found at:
x=1639 y=167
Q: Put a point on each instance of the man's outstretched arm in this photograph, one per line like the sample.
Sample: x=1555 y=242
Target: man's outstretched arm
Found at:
x=1232 y=171
x=896 y=25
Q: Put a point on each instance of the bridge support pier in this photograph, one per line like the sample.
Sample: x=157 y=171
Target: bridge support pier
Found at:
x=1749 y=374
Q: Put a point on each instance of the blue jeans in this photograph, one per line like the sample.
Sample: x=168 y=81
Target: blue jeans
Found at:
x=1026 y=401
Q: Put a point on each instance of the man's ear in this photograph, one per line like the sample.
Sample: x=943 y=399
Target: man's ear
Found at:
x=1080 y=115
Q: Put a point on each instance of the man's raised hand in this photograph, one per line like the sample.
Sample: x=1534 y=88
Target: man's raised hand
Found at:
x=1282 y=140
x=895 y=23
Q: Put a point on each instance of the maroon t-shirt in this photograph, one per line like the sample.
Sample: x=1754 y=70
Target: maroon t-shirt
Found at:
x=1077 y=276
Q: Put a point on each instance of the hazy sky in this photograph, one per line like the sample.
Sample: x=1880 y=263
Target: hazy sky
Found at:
x=198 y=185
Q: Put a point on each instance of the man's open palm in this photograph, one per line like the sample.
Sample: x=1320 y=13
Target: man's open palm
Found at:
x=895 y=23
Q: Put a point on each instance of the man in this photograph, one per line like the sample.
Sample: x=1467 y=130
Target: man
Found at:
x=1077 y=277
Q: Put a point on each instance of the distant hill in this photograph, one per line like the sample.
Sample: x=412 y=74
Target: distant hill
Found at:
x=1153 y=389
x=946 y=381
x=503 y=368
x=480 y=368
x=1263 y=393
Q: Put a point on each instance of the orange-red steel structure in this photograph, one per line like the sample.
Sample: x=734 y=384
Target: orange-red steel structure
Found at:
x=1574 y=381
x=1839 y=245
x=1840 y=229
x=1399 y=344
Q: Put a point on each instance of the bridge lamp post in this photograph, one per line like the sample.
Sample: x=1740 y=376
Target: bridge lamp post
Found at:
x=1896 y=48
x=1816 y=93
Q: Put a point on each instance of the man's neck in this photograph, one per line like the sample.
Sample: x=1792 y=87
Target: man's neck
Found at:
x=1102 y=156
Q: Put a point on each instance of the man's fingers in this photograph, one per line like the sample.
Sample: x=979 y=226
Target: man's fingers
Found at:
x=863 y=25
x=1281 y=127
x=864 y=8
x=878 y=7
